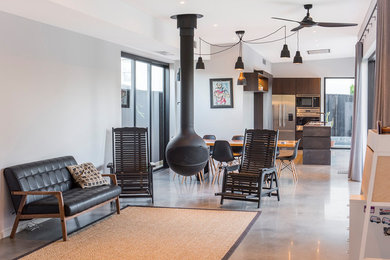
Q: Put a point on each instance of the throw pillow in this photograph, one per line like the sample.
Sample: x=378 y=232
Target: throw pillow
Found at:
x=86 y=175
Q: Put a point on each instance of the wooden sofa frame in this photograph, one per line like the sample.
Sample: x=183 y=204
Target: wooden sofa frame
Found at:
x=61 y=214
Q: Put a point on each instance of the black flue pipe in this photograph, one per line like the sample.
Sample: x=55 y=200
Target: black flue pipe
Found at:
x=187 y=153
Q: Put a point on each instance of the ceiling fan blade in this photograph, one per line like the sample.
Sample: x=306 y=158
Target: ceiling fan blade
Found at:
x=336 y=24
x=288 y=20
x=297 y=28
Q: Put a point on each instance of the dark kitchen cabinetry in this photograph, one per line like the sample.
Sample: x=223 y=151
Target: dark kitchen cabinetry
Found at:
x=308 y=86
x=293 y=86
x=283 y=86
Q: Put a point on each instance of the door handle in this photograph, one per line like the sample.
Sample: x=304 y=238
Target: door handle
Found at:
x=280 y=115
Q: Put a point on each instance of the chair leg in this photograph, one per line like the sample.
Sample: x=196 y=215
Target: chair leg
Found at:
x=279 y=168
x=294 y=171
x=62 y=217
x=118 y=206
x=200 y=177
x=216 y=173
x=17 y=218
x=260 y=189
x=277 y=186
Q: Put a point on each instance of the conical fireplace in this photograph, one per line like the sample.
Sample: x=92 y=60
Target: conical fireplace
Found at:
x=187 y=153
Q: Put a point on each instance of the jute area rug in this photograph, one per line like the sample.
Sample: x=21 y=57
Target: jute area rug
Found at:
x=155 y=233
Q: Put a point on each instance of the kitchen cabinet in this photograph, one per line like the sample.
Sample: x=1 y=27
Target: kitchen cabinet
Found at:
x=293 y=86
x=283 y=86
x=308 y=86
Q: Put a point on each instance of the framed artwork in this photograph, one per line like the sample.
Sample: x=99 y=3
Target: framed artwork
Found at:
x=125 y=97
x=221 y=93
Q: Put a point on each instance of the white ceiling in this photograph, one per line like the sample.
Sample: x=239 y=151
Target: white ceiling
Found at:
x=222 y=18
x=145 y=24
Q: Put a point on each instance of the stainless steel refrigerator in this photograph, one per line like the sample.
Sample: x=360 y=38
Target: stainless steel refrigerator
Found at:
x=283 y=107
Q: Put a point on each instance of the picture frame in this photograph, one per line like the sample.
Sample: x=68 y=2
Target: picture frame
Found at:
x=125 y=98
x=221 y=93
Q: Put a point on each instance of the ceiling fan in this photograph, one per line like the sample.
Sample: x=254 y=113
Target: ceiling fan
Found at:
x=309 y=22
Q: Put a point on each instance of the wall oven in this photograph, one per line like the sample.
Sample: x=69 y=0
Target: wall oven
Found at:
x=307 y=101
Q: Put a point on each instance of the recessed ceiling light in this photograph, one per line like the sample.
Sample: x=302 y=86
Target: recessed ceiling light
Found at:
x=215 y=25
x=320 y=51
x=314 y=31
x=182 y=2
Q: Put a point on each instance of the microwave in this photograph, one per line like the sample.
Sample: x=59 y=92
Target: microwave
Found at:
x=307 y=101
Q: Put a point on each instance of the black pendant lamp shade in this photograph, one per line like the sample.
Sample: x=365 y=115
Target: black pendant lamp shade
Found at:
x=200 y=64
x=239 y=64
x=285 y=53
x=187 y=153
x=298 y=57
x=241 y=79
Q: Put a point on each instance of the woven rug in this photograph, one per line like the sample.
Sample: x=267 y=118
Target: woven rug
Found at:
x=155 y=233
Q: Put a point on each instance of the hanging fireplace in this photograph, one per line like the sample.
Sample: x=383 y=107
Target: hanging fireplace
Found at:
x=187 y=153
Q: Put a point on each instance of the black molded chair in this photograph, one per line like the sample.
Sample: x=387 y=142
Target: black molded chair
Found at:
x=288 y=162
x=223 y=154
x=131 y=161
x=256 y=176
x=212 y=166
x=237 y=150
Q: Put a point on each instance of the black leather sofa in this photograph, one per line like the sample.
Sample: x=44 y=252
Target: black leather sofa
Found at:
x=45 y=189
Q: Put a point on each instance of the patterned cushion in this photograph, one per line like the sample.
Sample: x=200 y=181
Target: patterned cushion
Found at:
x=86 y=175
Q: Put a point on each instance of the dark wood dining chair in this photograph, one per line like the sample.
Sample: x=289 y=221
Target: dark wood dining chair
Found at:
x=257 y=174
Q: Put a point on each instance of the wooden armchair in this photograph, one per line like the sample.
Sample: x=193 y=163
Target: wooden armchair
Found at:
x=256 y=176
x=131 y=161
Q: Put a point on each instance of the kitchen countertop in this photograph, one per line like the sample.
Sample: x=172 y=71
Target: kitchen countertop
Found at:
x=318 y=124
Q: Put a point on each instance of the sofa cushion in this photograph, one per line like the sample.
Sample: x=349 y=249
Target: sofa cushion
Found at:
x=45 y=175
x=86 y=175
x=75 y=200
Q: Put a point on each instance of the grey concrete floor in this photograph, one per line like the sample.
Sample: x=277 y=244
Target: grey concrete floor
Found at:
x=310 y=222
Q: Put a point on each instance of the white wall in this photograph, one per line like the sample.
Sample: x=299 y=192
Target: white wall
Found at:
x=344 y=67
x=59 y=95
x=224 y=123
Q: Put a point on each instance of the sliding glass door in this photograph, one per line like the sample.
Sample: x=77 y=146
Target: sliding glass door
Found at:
x=338 y=109
x=144 y=85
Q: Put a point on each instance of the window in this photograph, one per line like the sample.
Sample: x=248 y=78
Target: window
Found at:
x=338 y=109
x=144 y=100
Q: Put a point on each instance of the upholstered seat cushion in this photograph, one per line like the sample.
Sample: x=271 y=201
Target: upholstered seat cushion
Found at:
x=75 y=200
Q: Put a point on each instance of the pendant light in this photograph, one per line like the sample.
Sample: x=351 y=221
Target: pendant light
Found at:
x=298 y=57
x=241 y=79
x=199 y=63
x=285 y=53
x=239 y=64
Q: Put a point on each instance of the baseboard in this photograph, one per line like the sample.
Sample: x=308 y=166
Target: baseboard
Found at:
x=22 y=226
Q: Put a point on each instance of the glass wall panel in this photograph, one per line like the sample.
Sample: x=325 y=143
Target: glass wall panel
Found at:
x=143 y=83
x=338 y=109
x=157 y=133
x=141 y=94
x=127 y=93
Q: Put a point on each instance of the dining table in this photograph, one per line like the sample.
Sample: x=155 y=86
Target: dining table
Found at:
x=281 y=143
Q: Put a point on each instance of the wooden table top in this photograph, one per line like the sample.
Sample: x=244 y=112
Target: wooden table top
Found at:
x=281 y=143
